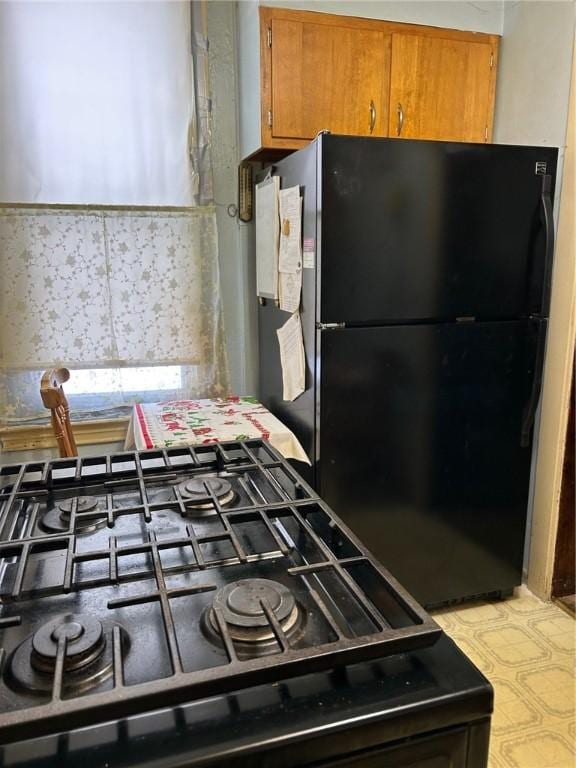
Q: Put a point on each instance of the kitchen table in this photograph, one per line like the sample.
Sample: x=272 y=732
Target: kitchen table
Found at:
x=176 y=423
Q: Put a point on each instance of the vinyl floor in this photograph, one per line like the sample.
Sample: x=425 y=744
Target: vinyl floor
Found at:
x=526 y=648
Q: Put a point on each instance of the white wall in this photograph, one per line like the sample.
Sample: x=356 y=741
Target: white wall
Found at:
x=557 y=378
x=533 y=82
x=534 y=73
x=248 y=68
x=249 y=75
x=473 y=16
x=235 y=260
x=532 y=97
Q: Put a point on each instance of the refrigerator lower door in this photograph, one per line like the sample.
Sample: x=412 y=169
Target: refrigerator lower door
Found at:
x=420 y=449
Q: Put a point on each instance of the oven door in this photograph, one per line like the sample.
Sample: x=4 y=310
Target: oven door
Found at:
x=445 y=750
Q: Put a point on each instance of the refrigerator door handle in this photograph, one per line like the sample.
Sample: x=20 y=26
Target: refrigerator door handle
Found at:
x=548 y=219
x=533 y=400
x=330 y=326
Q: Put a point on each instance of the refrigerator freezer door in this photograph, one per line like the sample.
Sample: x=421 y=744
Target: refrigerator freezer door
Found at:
x=420 y=230
x=421 y=452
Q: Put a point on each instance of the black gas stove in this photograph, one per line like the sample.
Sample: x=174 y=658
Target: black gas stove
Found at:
x=168 y=588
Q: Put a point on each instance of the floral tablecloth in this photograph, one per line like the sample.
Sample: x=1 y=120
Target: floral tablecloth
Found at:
x=192 y=422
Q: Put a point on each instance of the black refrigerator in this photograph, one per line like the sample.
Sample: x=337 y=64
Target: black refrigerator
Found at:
x=425 y=299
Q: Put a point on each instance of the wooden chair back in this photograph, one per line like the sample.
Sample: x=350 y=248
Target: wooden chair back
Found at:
x=54 y=398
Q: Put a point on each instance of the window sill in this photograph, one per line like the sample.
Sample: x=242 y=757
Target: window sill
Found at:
x=85 y=432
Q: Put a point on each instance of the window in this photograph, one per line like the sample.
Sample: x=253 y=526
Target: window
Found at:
x=95 y=391
x=132 y=380
x=103 y=125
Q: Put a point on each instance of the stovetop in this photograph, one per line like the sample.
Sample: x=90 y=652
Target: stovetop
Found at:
x=141 y=580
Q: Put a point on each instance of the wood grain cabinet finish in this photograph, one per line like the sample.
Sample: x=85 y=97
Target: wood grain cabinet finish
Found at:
x=441 y=88
x=367 y=77
x=328 y=76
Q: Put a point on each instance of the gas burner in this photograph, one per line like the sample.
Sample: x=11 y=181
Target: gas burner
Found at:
x=87 y=661
x=57 y=520
x=193 y=492
x=84 y=642
x=85 y=504
x=240 y=605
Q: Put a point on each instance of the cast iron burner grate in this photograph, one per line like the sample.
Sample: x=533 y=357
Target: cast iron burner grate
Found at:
x=143 y=601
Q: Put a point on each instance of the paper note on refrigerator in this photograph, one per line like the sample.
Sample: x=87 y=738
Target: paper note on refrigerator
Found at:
x=292 y=357
x=289 y=289
x=290 y=250
x=267 y=236
x=290 y=206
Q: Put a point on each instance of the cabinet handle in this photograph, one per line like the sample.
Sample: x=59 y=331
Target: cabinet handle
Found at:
x=372 y=117
x=400 y=113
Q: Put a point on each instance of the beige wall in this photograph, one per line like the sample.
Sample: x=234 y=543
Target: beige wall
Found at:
x=557 y=377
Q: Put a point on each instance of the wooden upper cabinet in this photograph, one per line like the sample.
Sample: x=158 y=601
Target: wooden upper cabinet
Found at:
x=365 y=77
x=328 y=77
x=441 y=88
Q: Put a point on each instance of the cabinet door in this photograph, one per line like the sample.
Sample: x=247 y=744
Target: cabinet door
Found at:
x=325 y=76
x=441 y=88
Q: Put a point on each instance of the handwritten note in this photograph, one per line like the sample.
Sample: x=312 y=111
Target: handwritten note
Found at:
x=290 y=286
x=290 y=206
x=292 y=357
x=290 y=249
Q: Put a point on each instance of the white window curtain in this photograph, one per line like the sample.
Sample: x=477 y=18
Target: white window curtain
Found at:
x=108 y=244
x=97 y=102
